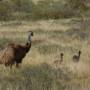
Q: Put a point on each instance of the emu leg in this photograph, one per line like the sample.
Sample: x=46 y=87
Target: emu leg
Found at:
x=6 y=64
x=10 y=66
x=18 y=62
x=17 y=65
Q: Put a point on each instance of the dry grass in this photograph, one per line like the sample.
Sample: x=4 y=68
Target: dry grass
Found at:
x=50 y=39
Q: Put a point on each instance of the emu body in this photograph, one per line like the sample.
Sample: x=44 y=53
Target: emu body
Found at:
x=14 y=53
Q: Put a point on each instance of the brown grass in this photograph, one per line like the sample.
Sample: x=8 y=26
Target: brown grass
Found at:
x=51 y=37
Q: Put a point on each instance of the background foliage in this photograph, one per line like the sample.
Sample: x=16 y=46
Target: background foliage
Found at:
x=46 y=9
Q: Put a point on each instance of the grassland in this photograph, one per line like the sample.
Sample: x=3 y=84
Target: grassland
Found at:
x=51 y=37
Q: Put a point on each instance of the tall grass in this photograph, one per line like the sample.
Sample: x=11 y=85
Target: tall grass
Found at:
x=38 y=71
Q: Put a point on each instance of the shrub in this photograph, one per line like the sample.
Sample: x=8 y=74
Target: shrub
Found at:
x=46 y=9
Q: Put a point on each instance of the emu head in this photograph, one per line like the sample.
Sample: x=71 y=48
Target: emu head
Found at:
x=30 y=34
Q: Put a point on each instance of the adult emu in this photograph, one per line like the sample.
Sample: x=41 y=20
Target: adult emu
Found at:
x=14 y=53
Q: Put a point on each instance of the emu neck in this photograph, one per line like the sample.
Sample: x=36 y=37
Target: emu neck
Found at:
x=28 y=46
x=79 y=55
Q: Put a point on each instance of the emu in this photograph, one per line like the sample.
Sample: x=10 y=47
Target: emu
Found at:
x=76 y=58
x=14 y=53
x=58 y=62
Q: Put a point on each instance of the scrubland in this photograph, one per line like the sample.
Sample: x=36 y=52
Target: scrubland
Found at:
x=51 y=37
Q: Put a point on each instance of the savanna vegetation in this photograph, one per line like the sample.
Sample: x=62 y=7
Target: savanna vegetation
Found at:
x=61 y=26
x=44 y=9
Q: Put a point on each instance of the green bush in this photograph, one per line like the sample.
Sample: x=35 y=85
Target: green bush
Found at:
x=46 y=9
x=5 y=10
